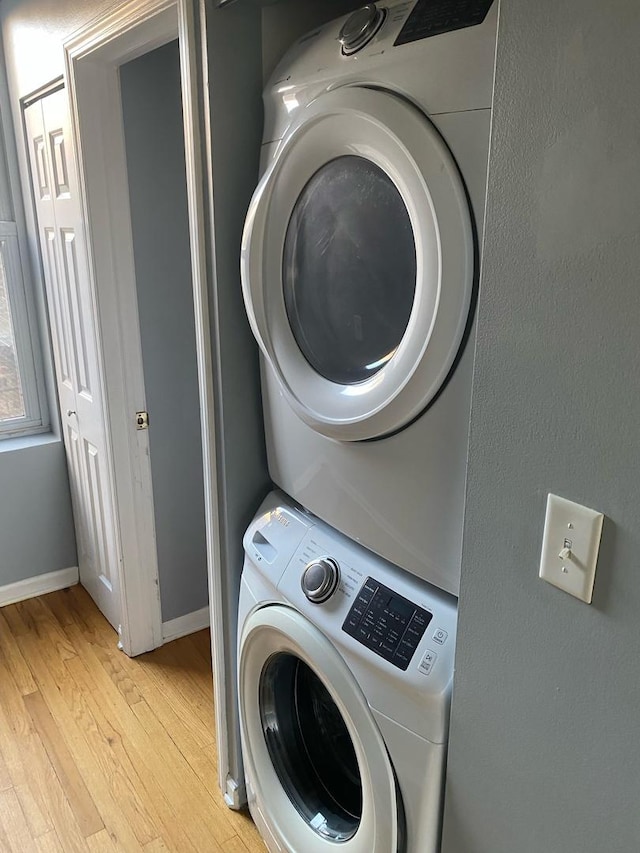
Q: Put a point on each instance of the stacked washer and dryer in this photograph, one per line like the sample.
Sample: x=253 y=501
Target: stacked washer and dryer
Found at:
x=360 y=264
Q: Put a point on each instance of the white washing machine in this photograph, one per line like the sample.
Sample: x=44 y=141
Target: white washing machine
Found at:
x=360 y=266
x=344 y=677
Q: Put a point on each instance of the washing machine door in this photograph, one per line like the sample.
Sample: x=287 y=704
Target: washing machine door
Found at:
x=358 y=263
x=318 y=773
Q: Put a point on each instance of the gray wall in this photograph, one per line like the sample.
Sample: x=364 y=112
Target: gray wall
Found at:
x=545 y=739
x=36 y=525
x=152 y=108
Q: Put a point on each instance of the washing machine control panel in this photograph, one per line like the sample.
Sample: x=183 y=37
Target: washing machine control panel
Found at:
x=434 y=17
x=387 y=623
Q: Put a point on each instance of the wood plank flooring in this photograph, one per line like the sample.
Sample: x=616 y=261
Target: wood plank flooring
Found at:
x=102 y=753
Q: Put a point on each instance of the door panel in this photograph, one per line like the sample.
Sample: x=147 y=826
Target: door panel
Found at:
x=59 y=163
x=76 y=348
x=100 y=516
x=58 y=307
x=78 y=315
x=40 y=172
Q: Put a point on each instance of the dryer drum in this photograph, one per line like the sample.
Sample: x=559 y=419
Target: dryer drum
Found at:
x=349 y=270
x=310 y=747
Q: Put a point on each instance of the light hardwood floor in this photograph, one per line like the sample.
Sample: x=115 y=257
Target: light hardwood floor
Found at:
x=102 y=753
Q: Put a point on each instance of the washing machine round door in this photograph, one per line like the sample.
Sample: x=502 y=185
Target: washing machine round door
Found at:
x=317 y=768
x=358 y=263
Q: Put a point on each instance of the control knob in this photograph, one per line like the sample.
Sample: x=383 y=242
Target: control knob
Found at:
x=359 y=28
x=320 y=579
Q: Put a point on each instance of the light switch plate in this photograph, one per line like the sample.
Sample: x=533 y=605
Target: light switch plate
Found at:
x=570 y=547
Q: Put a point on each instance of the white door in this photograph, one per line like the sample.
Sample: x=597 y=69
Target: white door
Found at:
x=76 y=350
x=358 y=263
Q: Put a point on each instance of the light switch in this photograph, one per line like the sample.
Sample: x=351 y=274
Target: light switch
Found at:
x=570 y=547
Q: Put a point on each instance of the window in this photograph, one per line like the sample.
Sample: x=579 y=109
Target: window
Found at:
x=349 y=270
x=20 y=409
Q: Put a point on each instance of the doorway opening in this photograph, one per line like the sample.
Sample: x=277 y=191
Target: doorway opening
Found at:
x=156 y=167
x=132 y=94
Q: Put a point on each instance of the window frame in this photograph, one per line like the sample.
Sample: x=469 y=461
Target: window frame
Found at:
x=33 y=420
x=24 y=302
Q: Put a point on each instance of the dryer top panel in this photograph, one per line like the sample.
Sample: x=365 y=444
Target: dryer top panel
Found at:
x=442 y=62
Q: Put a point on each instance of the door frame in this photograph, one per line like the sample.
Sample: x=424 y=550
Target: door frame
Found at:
x=93 y=56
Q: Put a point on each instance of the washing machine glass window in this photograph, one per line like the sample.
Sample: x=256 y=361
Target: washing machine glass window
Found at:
x=310 y=747
x=349 y=269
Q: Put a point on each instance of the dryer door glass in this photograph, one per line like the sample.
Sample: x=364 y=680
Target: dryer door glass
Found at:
x=310 y=747
x=349 y=270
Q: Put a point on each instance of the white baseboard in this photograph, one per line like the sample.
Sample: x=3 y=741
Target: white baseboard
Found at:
x=183 y=625
x=40 y=585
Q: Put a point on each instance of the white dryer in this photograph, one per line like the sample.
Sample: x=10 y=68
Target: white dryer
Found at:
x=344 y=676
x=360 y=266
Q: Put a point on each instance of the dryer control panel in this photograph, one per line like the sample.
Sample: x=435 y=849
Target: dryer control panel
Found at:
x=387 y=623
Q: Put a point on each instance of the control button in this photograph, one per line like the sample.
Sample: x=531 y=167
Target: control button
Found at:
x=404 y=653
x=419 y=621
x=413 y=635
x=440 y=636
x=427 y=662
x=360 y=27
x=401 y=661
x=320 y=579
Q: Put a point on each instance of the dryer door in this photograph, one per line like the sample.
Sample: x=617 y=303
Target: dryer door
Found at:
x=318 y=773
x=358 y=263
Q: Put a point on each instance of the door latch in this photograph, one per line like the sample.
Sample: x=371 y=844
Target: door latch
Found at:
x=142 y=420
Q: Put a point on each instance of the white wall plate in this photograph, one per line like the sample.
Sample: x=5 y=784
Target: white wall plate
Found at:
x=570 y=547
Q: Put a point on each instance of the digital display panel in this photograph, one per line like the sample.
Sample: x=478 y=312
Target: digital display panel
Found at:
x=387 y=623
